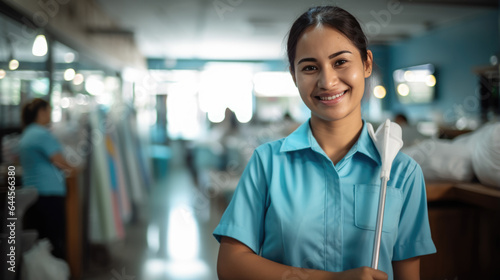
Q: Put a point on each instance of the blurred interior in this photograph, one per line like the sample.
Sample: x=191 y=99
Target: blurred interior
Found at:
x=161 y=104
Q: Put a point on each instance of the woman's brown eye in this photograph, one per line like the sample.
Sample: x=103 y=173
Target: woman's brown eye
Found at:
x=340 y=62
x=309 y=68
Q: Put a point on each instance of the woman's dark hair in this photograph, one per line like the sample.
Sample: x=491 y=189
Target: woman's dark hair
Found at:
x=334 y=17
x=31 y=109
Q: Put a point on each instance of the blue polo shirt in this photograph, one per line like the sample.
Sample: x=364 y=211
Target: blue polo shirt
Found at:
x=293 y=206
x=36 y=147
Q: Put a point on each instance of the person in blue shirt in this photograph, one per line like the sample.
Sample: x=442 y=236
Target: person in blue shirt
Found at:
x=306 y=205
x=44 y=168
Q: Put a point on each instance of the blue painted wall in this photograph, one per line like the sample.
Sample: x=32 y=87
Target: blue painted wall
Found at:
x=381 y=57
x=454 y=50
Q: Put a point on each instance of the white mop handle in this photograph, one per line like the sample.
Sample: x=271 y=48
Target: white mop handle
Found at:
x=380 y=222
x=386 y=166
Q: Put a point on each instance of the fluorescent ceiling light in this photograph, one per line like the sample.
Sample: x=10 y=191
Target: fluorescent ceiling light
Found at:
x=40 y=47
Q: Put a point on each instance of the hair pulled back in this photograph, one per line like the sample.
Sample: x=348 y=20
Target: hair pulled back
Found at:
x=31 y=109
x=334 y=17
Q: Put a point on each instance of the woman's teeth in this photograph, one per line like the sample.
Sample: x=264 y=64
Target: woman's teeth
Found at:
x=332 y=97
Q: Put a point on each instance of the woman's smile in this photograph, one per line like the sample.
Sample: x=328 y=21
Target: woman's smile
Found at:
x=331 y=98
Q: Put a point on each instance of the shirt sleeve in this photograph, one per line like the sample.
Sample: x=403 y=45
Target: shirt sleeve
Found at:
x=48 y=144
x=243 y=219
x=414 y=234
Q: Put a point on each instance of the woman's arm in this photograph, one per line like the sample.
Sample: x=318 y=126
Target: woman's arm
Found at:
x=237 y=261
x=59 y=161
x=408 y=269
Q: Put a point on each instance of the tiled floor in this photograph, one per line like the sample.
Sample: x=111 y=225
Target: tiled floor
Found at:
x=175 y=241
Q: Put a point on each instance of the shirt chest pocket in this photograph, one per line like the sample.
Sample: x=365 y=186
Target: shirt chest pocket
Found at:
x=366 y=197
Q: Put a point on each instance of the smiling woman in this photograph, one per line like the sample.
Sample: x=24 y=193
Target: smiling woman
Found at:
x=303 y=206
x=330 y=74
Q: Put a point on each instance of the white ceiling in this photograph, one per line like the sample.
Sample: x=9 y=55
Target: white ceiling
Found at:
x=255 y=29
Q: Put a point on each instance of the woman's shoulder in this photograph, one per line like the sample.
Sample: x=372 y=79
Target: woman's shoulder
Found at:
x=35 y=133
x=36 y=130
x=405 y=165
x=297 y=140
x=402 y=158
x=271 y=148
x=406 y=160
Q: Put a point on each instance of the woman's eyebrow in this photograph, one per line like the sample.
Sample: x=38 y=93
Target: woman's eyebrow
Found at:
x=311 y=59
x=338 y=53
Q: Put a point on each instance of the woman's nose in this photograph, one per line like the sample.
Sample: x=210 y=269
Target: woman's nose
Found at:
x=327 y=79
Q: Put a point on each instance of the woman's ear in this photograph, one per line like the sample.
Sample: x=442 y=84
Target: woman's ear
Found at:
x=368 y=64
x=293 y=75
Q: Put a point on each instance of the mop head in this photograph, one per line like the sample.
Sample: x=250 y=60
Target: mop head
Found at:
x=388 y=140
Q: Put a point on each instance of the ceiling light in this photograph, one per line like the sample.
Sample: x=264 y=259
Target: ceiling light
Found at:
x=379 y=92
x=2 y=74
x=430 y=80
x=69 y=74
x=403 y=89
x=40 y=47
x=409 y=76
x=94 y=85
x=13 y=64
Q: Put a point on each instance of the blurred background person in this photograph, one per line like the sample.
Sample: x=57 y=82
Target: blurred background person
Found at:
x=45 y=169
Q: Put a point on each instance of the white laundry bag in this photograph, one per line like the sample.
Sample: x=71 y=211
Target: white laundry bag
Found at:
x=486 y=156
x=443 y=160
x=40 y=264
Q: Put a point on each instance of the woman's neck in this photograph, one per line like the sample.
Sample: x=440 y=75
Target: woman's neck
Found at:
x=42 y=123
x=337 y=137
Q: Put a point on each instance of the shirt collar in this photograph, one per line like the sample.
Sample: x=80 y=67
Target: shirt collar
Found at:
x=366 y=146
x=302 y=138
x=34 y=125
x=299 y=139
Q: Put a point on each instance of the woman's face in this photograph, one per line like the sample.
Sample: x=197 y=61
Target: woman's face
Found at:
x=330 y=73
x=44 y=115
